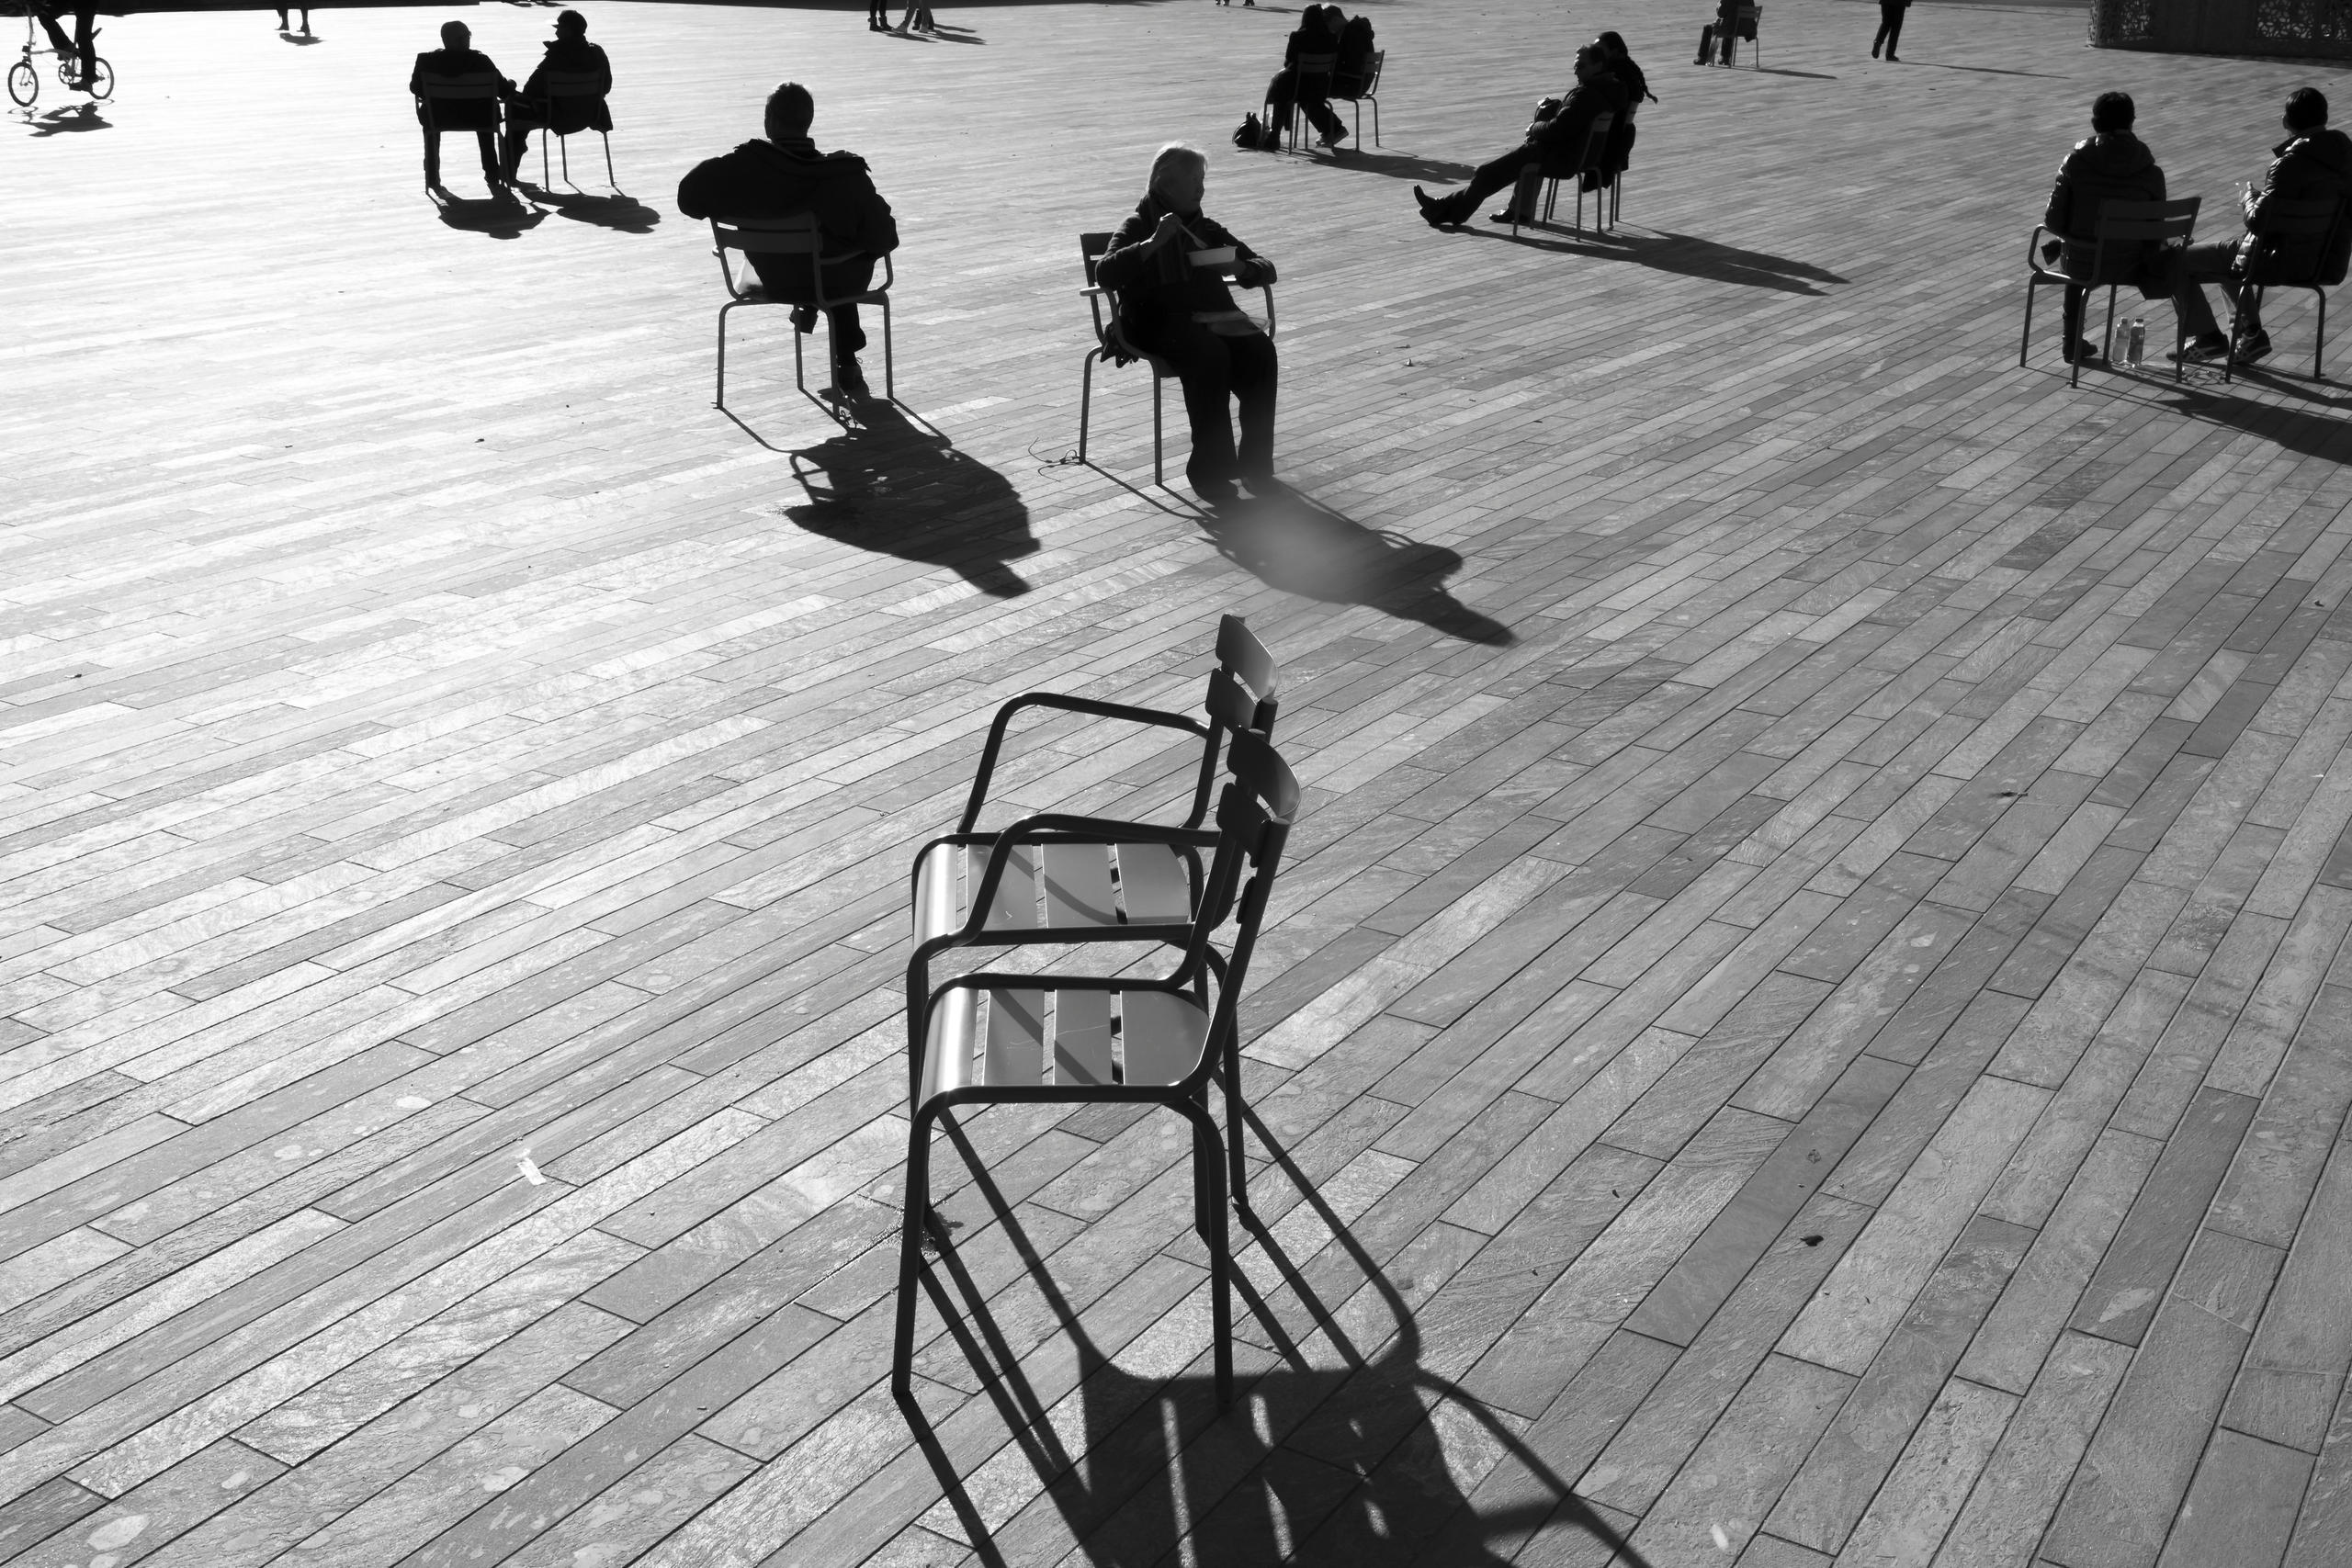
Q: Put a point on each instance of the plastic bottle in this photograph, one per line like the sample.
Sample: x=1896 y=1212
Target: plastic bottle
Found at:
x=2135 y=340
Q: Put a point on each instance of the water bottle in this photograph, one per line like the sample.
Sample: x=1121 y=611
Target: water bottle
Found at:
x=2135 y=340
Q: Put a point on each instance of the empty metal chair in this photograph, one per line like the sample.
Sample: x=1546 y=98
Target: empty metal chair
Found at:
x=1001 y=1038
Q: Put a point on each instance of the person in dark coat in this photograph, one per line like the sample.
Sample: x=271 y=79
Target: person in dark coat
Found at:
x=1185 y=314
x=1559 y=128
x=2113 y=164
x=2314 y=163
x=1620 y=153
x=570 y=53
x=457 y=57
x=1355 y=54
x=782 y=177
x=1318 y=33
x=1890 y=28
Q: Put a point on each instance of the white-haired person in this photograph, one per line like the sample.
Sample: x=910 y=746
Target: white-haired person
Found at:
x=1176 y=305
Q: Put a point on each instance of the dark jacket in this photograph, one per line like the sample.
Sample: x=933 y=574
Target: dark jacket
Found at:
x=456 y=114
x=2112 y=166
x=574 y=57
x=1355 y=54
x=1319 y=40
x=1561 y=133
x=760 y=179
x=2315 y=166
x=1158 y=291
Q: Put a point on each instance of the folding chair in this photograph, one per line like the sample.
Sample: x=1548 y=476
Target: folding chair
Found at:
x=1361 y=91
x=1112 y=348
x=793 y=236
x=1095 y=879
x=474 y=86
x=2126 y=225
x=2314 y=221
x=1066 y=1039
x=1555 y=170
x=584 y=92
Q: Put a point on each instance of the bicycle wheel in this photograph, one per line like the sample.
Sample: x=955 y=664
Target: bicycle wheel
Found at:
x=102 y=80
x=24 y=85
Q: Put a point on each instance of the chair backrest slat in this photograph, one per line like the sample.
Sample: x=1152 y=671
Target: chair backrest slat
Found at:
x=572 y=84
x=1319 y=64
x=2299 y=219
x=2146 y=219
x=472 y=84
x=793 y=236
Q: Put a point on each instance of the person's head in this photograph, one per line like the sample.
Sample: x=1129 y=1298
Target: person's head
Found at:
x=1612 y=45
x=1334 y=19
x=790 y=113
x=2112 y=111
x=1180 y=173
x=1311 y=19
x=456 y=35
x=570 y=24
x=1590 y=61
x=2306 y=109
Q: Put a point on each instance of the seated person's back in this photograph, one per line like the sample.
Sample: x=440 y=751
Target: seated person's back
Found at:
x=570 y=53
x=1355 y=54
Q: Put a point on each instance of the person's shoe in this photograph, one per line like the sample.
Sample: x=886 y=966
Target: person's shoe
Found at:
x=1507 y=216
x=1216 y=494
x=1432 y=210
x=1333 y=138
x=851 y=380
x=1874 y=52
x=804 y=318
x=1893 y=58
x=2250 y=349
x=2083 y=351
x=2204 y=351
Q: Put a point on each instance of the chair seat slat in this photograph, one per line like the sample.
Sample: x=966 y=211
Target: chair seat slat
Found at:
x=1153 y=885
x=1014 y=908
x=1082 y=1038
x=1078 y=886
x=948 y=1045
x=1161 y=1035
x=939 y=898
x=1016 y=1039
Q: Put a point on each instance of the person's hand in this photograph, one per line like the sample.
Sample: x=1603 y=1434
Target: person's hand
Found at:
x=1170 y=230
x=1257 y=271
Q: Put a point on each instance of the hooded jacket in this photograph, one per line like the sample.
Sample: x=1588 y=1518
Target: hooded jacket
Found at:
x=2112 y=166
x=761 y=179
x=2314 y=166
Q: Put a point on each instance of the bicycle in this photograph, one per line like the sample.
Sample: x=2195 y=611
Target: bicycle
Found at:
x=24 y=81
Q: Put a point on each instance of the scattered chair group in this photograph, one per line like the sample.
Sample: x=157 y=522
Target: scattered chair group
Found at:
x=1054 y=879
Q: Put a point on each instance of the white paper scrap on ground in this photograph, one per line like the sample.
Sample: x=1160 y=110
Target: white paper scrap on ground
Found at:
x=530 y=1172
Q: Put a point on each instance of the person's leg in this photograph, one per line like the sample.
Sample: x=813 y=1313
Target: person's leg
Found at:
x=1204 y=368
x=1254 y=370
x=1327 y=122
x=849 y=341
x=1460 y=206
x=432 y=155
x=1279 y=100
x=2070 y=317
x=85 y=50
x=2243 y=304
x=281 y=19
x=487 y=138
x=2199 y=263
x=58 y=39
x=518 y=140
x=1878 y=41
x=1890 y=23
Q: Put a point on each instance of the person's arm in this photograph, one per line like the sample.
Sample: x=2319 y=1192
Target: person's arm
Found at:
x=2058 y=216
x=704 y=192
x=603 y=70
x=877 y=231
x=1135 y=249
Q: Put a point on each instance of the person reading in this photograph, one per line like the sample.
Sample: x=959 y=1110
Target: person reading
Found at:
x=1174 y=302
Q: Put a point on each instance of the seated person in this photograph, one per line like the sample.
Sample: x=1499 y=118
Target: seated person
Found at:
x=1620 y=153
x=1718 y=37
x=785 y=176
x=570 y=54
x=2112 y=166
x=1355 y=56
x=1558 y=129
x=1318 y=33
x=2314 y=163
x=456 y=57
x=1186 y=315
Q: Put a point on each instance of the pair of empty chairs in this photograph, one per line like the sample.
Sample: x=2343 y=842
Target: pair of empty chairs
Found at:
x=1054 y=880
x=799 y=238
x=1112 y=348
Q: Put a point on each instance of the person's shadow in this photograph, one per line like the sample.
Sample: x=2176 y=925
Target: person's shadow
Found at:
x=71 y=118
x=305 y=40
x=1330 y=1454
x=898 y=488
x=499 y=216
x=619 y=211
x=1685 y=254
x=1298 y=545
x=1396 y=165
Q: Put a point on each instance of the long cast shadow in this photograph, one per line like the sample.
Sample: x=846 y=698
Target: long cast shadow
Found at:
x=1298 y=545
x=1333 y=1457
x=1396 y=166
x=892 y=486
x=1683 y=254
x=1983 y=69
x=496 y=217
x=619 y=211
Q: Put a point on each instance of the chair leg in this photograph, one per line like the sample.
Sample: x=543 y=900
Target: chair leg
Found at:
x=2320 y=342
x=1085 y=400
x=718 y=398
x=910 y=1228
x=1233 y=1114
x=1375 y=122
x=889 y=377
x=543 y=135
x=1159 y=476
x=2106 y=343
x=1216 y=1233
x=563 y=149
x=2025 y=339
x=611 y=178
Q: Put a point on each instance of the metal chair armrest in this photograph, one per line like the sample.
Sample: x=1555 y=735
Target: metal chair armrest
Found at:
x=1005 y=712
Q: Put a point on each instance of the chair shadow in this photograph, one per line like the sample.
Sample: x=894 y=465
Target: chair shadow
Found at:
x=305 y=40
x=67 y=119
x=1300 y=546
x=1685 y=254
x=1396 y=166
x=895 y=486
x=1784 y=71
x=619 y=210
x=1336 y=1459
x=2308 y=432
x=496 y=217
x=1983 y=69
